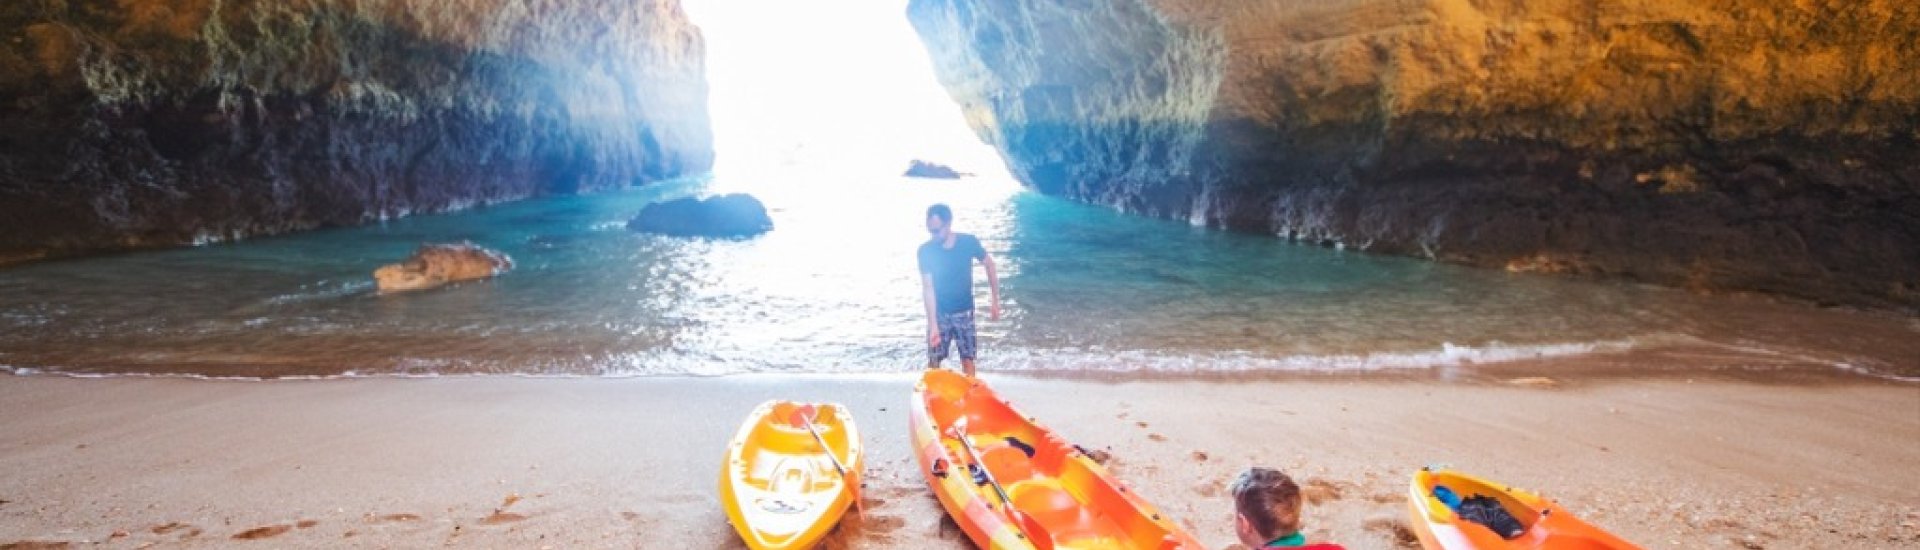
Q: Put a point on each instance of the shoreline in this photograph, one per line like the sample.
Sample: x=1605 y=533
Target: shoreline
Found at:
x=1598 y=367
x=1605 y=360
x=532 y=462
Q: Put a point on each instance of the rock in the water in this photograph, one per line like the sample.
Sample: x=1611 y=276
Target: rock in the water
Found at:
x=1534 y=382
x=725 y=216
x=1735 y=144
x=438 y=264
x=924 y=169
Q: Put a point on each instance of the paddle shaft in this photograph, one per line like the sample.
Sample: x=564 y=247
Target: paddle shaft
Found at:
x=823 y=444
x=975 y=455
x=852 y=484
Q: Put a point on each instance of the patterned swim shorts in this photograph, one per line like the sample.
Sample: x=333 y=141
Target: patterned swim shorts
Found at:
x=956 y=329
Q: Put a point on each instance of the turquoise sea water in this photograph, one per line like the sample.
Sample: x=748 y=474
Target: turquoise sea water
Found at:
x=833 y=289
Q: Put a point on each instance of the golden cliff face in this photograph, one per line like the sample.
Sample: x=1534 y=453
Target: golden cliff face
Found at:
x=1598 y=75
x=1727 y=144
x=132 y=123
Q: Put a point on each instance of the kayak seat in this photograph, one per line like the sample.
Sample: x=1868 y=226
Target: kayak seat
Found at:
x=1049 y=505
x=1007 y=463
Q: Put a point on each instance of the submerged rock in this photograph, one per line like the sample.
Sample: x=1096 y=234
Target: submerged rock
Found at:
x=725 y=216
x=924 y=169
x=1742 y=144
x=1534 y=382
x=434 y=265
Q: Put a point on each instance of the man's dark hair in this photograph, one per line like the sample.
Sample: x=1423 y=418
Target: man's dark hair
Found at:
x=1269 y=500
x=941 y=210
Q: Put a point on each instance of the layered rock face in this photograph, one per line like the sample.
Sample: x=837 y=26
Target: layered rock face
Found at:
x=131 y=123
x=1715 y=144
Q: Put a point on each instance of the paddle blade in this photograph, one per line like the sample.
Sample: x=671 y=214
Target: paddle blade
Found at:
x=1036 y=533
x=859 y=503
x=802 y=415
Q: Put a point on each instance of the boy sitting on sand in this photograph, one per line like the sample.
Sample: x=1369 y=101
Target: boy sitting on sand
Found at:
x=1266 y=505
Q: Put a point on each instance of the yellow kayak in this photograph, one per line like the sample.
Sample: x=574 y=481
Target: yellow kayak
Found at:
x=1542 y=523
x=780 y=488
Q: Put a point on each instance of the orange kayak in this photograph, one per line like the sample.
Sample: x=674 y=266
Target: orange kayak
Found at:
x=779 y=487
x=1060 y=497
x=1544 y=524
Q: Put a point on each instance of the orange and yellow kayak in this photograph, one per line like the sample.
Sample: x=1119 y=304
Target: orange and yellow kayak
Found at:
x=1545 y=524
x=1060 y=497
x=778 y=486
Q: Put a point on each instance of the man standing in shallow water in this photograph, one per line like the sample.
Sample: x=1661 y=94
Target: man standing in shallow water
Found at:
x=946 y=283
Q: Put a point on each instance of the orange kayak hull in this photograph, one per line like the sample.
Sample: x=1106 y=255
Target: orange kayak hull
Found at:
x=777 y=484
x=1548 y=526
x=1064 y=499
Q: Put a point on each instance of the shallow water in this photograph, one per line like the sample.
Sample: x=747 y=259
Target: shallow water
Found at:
x=833 y=289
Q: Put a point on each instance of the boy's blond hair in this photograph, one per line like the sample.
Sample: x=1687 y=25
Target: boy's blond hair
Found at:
x=1269 y=500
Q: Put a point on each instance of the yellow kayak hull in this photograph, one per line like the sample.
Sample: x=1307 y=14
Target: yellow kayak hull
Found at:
x=778 y=486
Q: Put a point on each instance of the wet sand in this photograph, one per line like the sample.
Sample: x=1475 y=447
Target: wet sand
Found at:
x=588 y=463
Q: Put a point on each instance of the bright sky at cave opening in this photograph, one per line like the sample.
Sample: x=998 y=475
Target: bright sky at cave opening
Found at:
x=842 y=86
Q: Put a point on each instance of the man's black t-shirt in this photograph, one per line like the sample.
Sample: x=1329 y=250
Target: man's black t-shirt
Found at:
x=952 y=271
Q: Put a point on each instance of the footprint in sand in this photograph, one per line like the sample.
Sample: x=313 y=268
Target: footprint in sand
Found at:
x=630 y=516
x=271 y=530
x=36 y=545
x=169 y=528
x=1100 y=456
x=1199 y=456
x=949 y=529
x=1319 y=490
x=500 y=516
x=1142 y=424
x=1394 y=528
x=1156 y=437
x=881 y=525
x=1210 y=488
x=391 y=518
x=258 y=533
x=875 y=528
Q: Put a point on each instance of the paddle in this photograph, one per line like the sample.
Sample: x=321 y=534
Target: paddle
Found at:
x=1036 y=534
x=803 y=415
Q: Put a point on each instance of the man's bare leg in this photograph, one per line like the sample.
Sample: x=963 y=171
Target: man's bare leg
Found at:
x=968 y=365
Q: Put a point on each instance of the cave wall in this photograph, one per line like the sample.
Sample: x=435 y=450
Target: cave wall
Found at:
x=1728 y=145
x=140 y=123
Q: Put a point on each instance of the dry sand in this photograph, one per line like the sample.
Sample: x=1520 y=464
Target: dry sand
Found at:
x=587 y=463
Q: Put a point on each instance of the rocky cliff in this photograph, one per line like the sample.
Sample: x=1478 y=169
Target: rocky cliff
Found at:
x=1716 y=144
x=132 y=123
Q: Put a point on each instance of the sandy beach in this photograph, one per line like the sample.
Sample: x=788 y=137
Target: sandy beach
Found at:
x=593 y=463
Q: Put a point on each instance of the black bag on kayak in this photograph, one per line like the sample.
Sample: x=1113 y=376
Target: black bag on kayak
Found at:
x=1486 y=511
